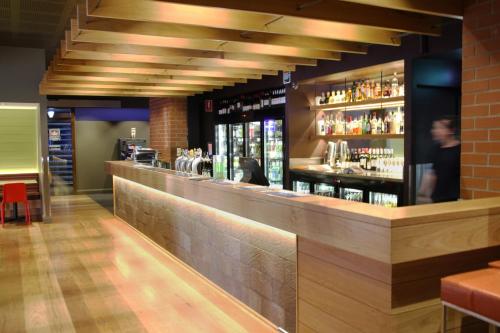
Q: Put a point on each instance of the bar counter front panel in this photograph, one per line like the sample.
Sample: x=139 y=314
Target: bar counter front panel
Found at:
x=360 y=268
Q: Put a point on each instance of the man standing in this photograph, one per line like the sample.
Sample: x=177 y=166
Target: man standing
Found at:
x=442 y=182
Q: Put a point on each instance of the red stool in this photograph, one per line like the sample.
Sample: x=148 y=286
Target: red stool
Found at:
x=13 y=193
x=475 y=293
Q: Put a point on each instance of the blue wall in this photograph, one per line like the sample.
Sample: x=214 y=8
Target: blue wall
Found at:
x=112 y=114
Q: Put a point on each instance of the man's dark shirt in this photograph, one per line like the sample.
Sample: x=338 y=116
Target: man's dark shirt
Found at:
x=446 y=166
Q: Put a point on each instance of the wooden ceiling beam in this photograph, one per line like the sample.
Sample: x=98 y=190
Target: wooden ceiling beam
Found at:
x=166 y=69
x=209 y=84
x=109 y=37
x=98 y=30
x=169 y=12
x=167 y=53
x=115 y=77
x=355 y=14
x=111 y=93
x=137 y=85
x=96 y=52
x=444 y=8
x=188 y=34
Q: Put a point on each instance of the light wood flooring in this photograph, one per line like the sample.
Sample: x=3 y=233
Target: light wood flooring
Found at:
x=89 y=272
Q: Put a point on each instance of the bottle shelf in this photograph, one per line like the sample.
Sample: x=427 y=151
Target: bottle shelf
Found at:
x=363 y=136
x=371 y=104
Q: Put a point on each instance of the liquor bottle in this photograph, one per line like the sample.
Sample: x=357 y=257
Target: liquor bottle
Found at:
x=380 y=123
x=401 y=91
x=378 y=90
x=387 y=122
x=359 y=94
x=402 y=125
x=373 y=124
x=373 y=160
x=353 y=92
x=364 y=90
x=387 y=90
x=342 y=97
x=331 y=99
x=340 y=127
x=397 y=121
x=328 y=128
x=369 y=160
x=395 y=86
x=362 y=159
x=322 y=99
x=350 y=126
x=321 y=125
x=348 y=96
x=327 y=98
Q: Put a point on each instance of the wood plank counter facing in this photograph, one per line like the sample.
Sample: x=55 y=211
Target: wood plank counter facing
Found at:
x=368 y=268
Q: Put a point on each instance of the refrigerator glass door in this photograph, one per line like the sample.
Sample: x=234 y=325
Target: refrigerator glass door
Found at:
x=253 y=144
x=384 y=199
x=221 y=138
x=237 y=150
x=351 y=194
x=273 y=152
x=301 y=187
x=324 y=190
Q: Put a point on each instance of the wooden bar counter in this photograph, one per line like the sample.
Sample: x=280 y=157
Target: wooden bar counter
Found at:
x=309 y=263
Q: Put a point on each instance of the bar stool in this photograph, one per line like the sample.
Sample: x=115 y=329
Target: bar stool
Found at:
x=14 y=193
x=475 y=293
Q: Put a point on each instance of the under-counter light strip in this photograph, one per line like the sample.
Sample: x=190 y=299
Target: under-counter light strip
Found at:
x=367 y=106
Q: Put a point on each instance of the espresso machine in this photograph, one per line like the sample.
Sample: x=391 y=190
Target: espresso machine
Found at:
x=336 y=153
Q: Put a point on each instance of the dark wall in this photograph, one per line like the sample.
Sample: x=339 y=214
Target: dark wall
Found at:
x=436 y=91
x=201 y=123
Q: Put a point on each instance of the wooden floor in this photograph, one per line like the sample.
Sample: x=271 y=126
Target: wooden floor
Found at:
x=89 y=272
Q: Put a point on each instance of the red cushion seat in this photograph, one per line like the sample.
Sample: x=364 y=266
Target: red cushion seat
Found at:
x=477 y=291
x=495 y=264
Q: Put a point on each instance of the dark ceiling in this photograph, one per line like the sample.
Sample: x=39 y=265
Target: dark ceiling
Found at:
x=34 y=23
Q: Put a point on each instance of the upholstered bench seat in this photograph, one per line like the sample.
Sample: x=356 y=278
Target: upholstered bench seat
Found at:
x=495 y=264
x=477 y=292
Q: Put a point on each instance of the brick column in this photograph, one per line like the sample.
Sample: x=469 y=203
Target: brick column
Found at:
x=481 y=99
x=168 y=126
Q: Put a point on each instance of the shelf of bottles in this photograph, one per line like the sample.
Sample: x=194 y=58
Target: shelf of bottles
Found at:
x=61 y=150
x=262 y=100
x=367 y=108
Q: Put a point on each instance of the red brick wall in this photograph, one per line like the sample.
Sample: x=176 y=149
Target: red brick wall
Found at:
x=168 y=126
x=481 y=99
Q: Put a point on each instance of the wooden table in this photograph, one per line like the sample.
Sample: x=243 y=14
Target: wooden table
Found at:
x=359 y=267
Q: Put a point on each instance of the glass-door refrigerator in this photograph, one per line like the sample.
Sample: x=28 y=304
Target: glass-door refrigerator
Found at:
x=236 y=150
x=221 y=137
x=253 y=143
x=273 y=152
